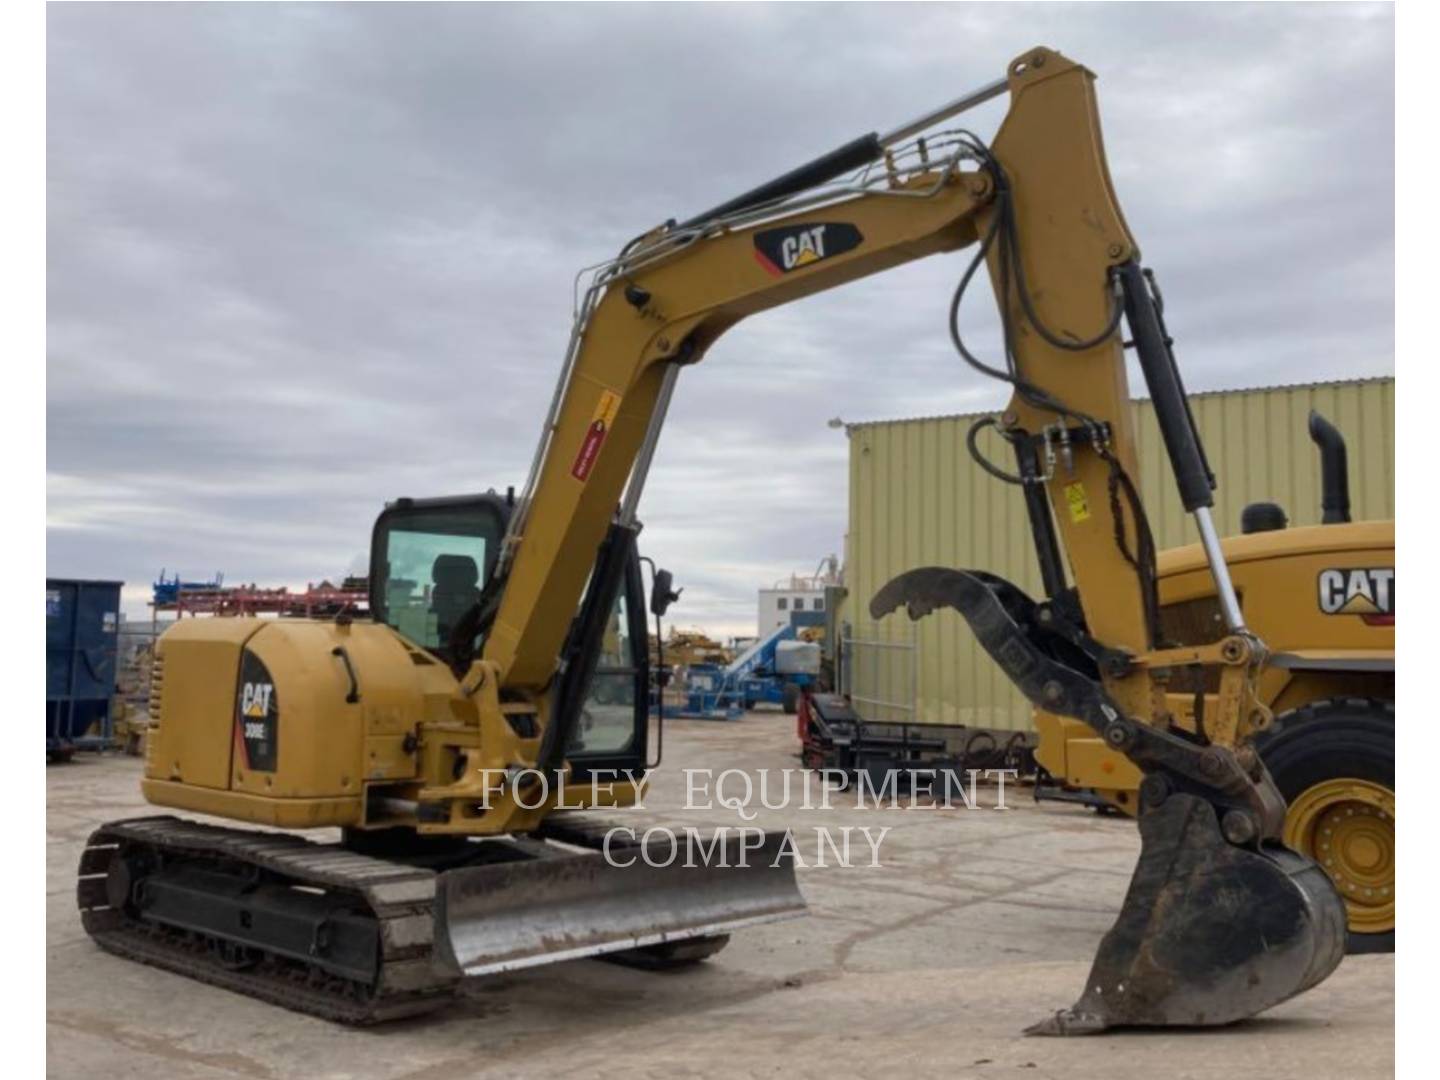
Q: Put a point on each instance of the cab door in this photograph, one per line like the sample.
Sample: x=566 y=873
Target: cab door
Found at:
x=612 y=730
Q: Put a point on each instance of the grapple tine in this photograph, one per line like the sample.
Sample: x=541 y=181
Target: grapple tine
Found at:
x=1209 y=933
x=522 y=914
x=1213 y=929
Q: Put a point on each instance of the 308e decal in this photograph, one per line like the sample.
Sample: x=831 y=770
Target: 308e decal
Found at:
x=257 y=716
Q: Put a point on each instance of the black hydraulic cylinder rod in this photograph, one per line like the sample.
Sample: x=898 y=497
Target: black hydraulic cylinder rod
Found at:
x=1334 y=470
x=853 y=155
x=1042 y=527
x=1167 y=393
x=1179 y=375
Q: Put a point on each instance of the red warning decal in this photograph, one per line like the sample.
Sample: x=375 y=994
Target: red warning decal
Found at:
x=594 y=439
x=589 y=451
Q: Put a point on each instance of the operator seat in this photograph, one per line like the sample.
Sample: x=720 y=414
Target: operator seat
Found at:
x=456 y=590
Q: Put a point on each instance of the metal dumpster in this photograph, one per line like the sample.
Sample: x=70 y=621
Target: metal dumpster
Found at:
x=82 y=620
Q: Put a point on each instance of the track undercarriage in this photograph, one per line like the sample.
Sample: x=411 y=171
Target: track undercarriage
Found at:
x=344 y=934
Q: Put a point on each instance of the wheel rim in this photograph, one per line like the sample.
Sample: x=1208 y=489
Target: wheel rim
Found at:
x=1348 y=827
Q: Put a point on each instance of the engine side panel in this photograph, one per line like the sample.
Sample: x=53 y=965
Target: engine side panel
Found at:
x=193 y=702
x=283 y=721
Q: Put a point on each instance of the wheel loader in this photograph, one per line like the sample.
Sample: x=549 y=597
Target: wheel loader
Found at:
x=1323 y=599
x=457 y=860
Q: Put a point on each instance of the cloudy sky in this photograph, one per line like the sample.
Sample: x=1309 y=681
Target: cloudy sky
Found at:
x=304 y=259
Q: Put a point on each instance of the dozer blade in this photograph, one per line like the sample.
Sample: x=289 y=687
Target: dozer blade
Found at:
x=512 y=915
x=1210 y=933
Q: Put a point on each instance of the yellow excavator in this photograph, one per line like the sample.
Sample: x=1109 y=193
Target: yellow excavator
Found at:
x=428 y=734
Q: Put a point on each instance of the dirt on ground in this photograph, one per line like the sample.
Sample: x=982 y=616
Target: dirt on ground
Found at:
x=974 y=924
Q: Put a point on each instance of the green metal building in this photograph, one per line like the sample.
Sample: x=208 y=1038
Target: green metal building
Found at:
x=917 y=499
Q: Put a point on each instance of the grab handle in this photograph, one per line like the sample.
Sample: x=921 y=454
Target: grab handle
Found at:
x=354 y=695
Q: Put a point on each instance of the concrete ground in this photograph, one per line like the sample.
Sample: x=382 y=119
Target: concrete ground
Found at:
x=976 y=924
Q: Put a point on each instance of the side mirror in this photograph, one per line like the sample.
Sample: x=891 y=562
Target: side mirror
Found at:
x=662 y=592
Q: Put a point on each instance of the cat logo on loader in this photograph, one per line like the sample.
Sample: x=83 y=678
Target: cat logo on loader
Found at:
x=1368 y=592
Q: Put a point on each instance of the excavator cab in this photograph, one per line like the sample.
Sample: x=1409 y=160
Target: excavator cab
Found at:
x=431 y=561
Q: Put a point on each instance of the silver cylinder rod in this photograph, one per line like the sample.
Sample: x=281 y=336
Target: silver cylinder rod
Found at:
x=646 y=455
x=944 y=112
x=1224 y=587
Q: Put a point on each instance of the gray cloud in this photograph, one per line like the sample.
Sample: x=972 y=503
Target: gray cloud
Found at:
x=303 y=259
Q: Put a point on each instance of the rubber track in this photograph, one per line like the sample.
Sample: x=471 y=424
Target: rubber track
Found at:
x=400 y=897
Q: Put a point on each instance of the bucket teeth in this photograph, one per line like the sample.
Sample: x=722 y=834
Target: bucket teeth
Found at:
x=1209 y=933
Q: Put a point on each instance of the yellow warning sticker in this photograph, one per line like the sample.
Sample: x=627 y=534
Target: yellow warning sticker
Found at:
x=1076 y=501
x=606 y=410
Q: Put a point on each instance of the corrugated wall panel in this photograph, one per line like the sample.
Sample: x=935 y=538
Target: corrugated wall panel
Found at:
x=916 y=499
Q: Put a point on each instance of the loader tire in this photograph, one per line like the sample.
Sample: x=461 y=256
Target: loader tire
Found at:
x=1334 y=761
x=790 y=698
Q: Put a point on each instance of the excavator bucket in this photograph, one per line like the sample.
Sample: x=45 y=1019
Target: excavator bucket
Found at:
x=1209 y=933
x=567 y=906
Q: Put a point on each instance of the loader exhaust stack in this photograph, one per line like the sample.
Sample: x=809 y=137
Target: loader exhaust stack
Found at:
x=1334 y=470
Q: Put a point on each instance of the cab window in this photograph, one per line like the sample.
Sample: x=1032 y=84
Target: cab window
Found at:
x=607 y=719
x=432 y=565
